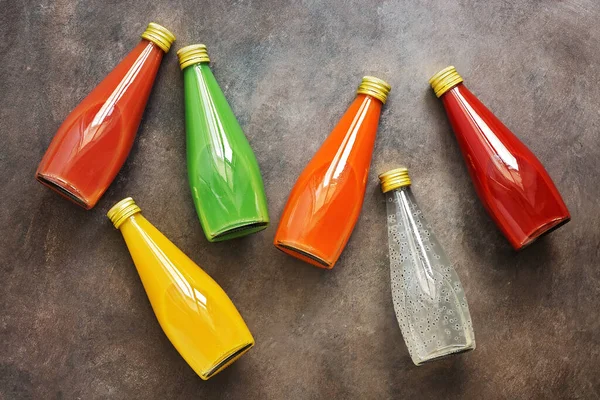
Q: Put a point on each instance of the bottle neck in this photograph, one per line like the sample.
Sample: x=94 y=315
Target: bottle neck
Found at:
x=154 y=47
x=397 y=194
x=198 y=64
x=133 y=217
x=451 y=90
x=373 y=98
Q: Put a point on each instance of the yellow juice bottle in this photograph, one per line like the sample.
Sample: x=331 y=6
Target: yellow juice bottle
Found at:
x=194 y=312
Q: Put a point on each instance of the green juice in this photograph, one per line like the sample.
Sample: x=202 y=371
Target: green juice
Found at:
x=223 y=173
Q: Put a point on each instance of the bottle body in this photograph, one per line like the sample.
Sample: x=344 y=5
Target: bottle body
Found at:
x=511 y=182
x=93 y=142
x=326 y=200
x=429 y=300
x=194 y=312
x=223 y=173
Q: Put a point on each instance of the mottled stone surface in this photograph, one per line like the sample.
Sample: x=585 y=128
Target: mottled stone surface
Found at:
x=74 y=319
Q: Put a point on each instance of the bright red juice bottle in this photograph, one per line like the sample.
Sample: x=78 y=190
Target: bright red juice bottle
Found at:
x=511 y=182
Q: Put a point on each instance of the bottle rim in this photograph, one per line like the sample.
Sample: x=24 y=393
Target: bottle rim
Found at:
x=122 y=210
x=159 y=35
x=394 y=179
x=445 y=80
x=192 y=54
x=374 y=87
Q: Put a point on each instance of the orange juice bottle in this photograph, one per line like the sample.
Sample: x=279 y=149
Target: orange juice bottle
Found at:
x=326 y=200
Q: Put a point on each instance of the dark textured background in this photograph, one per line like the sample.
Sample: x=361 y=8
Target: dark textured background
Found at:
x=75 y=321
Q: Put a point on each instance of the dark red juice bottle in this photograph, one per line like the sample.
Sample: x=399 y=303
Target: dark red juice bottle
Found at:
x=94 y=140
x=511 y=182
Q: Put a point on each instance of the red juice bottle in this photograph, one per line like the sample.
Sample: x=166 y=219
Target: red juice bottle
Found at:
x=93 y=142
x=511 y=182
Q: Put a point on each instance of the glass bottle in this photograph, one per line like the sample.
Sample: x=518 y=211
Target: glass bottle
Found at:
x=191 y=308
x=511 y=182
x=93 y=142
x=428 y=297
x=326 y=200
x=223 y=173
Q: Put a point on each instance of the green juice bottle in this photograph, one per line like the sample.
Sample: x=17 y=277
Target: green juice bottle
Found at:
x=223 y=172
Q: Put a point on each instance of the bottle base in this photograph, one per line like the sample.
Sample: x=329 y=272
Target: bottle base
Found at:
x=542 y=231
x=59 y=187
x=303 y=255
x=226 y=361
x=239 y=230
x=443 y=353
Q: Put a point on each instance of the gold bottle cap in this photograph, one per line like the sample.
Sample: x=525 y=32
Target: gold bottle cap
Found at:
x=122 y=210
x=159 y=35
x=445 y=80
x=394 y=179
x=375 y=87
x=192 y=54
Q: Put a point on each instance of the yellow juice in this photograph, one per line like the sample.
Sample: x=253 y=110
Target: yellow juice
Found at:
x=194 y=312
